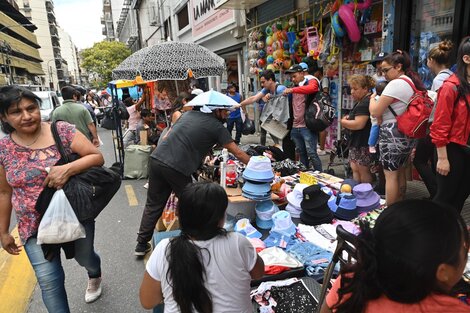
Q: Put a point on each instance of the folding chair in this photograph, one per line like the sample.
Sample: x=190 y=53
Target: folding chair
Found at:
x=345 y=252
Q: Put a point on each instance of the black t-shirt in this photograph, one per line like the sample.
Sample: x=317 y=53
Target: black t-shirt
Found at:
x=187 y=142
x=360 y=138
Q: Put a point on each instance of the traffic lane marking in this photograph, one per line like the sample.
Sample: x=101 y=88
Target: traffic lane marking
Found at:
x=17 y=280
x=131 y=198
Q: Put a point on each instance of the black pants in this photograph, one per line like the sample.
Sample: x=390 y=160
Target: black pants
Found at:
x=162 y=181
x=288 y=147
x=454 y=188
x=425 y=165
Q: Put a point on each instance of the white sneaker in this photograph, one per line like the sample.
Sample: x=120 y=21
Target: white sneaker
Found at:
x=321 y=152
x=146 y=186
x=93 y=291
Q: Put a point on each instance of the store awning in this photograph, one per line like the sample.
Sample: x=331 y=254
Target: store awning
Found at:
x=238 y=4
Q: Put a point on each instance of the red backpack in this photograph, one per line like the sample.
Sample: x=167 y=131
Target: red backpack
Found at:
x=414 y=121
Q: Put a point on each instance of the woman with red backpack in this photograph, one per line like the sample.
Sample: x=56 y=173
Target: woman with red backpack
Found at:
x=394 y=146
x=450 y=132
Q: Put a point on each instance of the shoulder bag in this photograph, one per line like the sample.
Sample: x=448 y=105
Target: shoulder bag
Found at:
x=90 y=191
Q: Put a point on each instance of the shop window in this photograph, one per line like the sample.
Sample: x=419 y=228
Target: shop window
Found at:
x=431 y=22
x=183 y=18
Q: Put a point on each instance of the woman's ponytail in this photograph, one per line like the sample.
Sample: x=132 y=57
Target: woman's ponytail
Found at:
x=186 y=272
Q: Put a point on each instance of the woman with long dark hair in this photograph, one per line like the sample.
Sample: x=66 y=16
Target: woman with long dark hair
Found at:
x=450 y=133
x=204 y=269
x=409 y=262
x=178 y=106
x=25 y=154
x=394 y=146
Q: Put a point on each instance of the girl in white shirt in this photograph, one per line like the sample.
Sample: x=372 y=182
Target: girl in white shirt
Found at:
x=204 y=269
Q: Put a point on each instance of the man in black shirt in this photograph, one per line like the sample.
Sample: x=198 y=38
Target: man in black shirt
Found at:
x=178 y=154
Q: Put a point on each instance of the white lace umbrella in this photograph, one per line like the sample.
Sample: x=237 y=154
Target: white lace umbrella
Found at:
x=170 y=61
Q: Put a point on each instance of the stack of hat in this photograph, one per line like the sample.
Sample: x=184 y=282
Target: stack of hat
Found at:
x=283 y=224
x=367 y=198
x=343 y=206
x=294 y=198
x=258 y=176
x=264 y=212
x=315 y=210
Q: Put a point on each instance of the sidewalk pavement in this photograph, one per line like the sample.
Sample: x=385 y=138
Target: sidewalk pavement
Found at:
x=415 y=188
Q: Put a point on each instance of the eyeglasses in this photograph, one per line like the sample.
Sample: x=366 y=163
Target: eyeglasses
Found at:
x=385 y=70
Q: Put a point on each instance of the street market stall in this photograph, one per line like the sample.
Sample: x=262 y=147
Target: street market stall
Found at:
x=168 y=61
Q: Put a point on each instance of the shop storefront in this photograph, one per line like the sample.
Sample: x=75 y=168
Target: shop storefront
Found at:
x=220 y=31
x=339 y=38
x=420 y=24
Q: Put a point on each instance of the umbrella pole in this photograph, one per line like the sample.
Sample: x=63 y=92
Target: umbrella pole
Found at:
x=177 y=90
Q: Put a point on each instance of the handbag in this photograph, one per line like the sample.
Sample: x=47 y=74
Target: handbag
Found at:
x=90 y=191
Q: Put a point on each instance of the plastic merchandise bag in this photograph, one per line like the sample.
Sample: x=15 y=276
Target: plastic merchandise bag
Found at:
x=248 y=127
x=59 y=224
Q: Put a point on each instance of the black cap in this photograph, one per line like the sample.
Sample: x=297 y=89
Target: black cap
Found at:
x=295 y=69
x=378 y=58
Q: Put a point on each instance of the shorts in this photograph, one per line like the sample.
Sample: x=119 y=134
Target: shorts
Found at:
x=360 y=156
x=395 y=147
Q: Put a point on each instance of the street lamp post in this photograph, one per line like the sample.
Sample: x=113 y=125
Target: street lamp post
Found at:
x=7 y=52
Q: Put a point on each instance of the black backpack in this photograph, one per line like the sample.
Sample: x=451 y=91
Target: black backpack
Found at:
x=319 y=111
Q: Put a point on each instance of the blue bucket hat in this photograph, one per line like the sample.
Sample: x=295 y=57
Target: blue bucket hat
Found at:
x=343 y=206
x=257 y=197
x=259 y=169
x=283 y=223
x=265 y=206
x=256 y=188
x=264 y=224
x=244 y=227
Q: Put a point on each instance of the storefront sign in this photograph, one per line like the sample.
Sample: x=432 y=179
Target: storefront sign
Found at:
x=207 y=19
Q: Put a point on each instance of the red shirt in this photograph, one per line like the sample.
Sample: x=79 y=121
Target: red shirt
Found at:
x=432 y=303
x=451 y=120
x=298 y=101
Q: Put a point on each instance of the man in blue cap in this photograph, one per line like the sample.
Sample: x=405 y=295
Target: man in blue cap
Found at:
x=305 y=140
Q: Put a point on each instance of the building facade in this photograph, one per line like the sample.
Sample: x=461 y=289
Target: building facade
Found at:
x=19 y=56
x=107 y=21
x=41 y=13
x=69 y=53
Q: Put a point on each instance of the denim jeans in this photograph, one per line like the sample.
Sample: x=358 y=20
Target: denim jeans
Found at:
x=50 y=275
x=238 y=126
x=306 y=145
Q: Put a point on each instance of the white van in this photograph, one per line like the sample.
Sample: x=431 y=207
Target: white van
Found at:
x=50 y=101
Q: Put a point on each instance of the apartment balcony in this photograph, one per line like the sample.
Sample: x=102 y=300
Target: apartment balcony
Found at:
x=49 y=6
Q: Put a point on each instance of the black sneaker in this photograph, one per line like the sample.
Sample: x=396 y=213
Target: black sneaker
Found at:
x=142 y=249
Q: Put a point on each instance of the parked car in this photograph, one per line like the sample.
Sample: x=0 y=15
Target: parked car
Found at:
x=50 y=101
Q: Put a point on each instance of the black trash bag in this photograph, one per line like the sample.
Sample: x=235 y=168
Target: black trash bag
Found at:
x=248 y=127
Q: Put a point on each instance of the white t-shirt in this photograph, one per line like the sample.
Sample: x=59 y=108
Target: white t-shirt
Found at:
x=134 y=117
x=402 y=92
x=228 y=264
